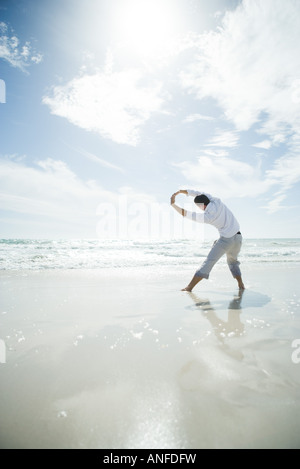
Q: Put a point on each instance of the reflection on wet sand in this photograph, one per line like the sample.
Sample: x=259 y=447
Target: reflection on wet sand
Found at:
x=223 y=329
x=233 y=325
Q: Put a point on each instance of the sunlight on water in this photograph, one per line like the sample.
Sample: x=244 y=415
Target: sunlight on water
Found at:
x=95 y=254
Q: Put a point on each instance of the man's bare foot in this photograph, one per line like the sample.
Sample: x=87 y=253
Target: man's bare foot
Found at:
x=195 y=280
x=242 y=286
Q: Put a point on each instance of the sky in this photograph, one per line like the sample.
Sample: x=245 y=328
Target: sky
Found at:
x=107 y=107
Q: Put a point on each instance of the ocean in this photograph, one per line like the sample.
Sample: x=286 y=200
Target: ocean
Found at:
x=38 y=254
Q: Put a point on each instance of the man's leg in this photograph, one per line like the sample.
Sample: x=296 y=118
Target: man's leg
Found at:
x=218 y=250
x=195 y=280
x=233 y=263
x=240 y=282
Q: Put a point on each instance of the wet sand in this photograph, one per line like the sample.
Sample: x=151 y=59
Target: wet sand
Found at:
x=124 y=359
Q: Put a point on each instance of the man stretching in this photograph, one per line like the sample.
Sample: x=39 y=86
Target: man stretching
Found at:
x=215 y=213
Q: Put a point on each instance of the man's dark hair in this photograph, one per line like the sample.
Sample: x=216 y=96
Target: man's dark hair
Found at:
x=201 y=199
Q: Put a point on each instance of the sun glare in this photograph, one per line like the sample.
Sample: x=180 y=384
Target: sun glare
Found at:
x=147 y=27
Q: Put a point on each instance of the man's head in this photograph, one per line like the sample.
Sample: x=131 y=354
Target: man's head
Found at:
x=202 y=201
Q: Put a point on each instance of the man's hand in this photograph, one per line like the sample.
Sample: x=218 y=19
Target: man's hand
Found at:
x=176 y=193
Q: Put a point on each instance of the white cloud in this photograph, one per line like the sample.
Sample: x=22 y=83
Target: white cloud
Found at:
x=265 y=145
x=96 y=159
x=275 y=205
x=224 y=138
x=225 y=177
x=285 y=172
x=251 y=64
x=197 y=117
x=11 y=51
x=53 y=199
x=50 y=190
x=114 y=104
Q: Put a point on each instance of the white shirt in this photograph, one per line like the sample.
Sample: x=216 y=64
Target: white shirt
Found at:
x=216 y=214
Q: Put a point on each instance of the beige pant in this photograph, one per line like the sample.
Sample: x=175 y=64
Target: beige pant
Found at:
x=229 y=246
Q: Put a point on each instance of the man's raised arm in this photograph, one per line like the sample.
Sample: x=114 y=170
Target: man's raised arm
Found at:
x=180 y=210
x=192 y=193
x=198 y=217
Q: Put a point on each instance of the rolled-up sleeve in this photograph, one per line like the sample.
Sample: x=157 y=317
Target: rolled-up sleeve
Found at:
x=198 y=217
x=193 y=193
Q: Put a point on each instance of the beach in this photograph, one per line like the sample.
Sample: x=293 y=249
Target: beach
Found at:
x=120 y=358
